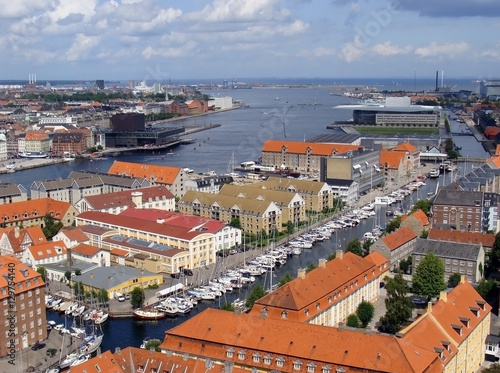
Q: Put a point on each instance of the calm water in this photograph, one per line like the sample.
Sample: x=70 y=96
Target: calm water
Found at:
x=295 y=114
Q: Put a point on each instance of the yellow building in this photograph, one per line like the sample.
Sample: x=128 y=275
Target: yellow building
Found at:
x=117 y=279
x=254 y=215
x=456 y=327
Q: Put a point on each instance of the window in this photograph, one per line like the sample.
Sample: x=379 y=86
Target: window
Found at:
x=311 y=367
x=256 y=357
x=230 y=352
x=284 y=314
x=267 y=360
x=241 y=355
x=326 y=369
x=297 y=365
x=280 y=362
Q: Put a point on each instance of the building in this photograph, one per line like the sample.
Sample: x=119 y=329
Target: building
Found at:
x=117 y=280
x=130 y=122
x=91 y=254
x=16 y=241
x=318 y=195
x=24 y=311
x=490 y=89
x=456 y=327
x=39 y=254
x=292 y=205
x=361 y=166
x=457 y=209
x=259 y=343
x=395 y=111
x=36 y=142
x=69 y=143
x=412 y=157
x=197 y=243
x=465 y=259
x=393 y=165
x=478 y=238
x=329 y=293
x=172 y=177
x=303 y=157
x=417 y=221
x=207 y=184
x=10 y=193
x=32 y=212
x=157 y=197
x=254 y=215
x=71 y=236
x=396 y=246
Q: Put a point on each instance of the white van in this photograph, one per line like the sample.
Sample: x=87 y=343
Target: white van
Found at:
x=119 y=297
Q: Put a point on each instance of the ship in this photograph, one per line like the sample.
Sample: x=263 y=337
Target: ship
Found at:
x=32 y=155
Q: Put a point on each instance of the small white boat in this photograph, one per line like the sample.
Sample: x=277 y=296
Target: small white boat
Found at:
x=68 y=360
x=80 y=360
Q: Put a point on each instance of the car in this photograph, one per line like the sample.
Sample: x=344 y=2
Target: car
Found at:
x=174 y=275
x=126 y=296
x=37 y=346
x=232 y=252
x=188 y=272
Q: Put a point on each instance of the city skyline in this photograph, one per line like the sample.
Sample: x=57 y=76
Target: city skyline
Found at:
x=156 y=40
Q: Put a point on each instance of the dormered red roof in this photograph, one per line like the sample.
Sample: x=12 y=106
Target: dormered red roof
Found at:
x=33 y=209
x=21 y=274
x=391 y=158
x=485 y=239
x=125 y=197
x=298 y=147
x=154 y=173
x=399 y=237
x=17 y=236
x=48 y=250
x=74 y=234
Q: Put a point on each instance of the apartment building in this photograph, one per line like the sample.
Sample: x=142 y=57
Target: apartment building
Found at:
x=396 y=246
x=457 y=209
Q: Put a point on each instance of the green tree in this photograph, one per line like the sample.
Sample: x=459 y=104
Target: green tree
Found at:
x=428 y=279
x=424 y=234
x=67 y=275
x=310 y=267
x=256 y=293
x=153 y=343
x=50 y=226
x=366 y=246
x=103 y=296
x=398 y=305
x=405 y=265
x=486 y=288
x=494 y=368
x=137 y=297
x=78 y=272
x=43 y=273
x=365 y=313
x=422 y=204
x=289 y=227
x=287 y=277
x=354 y=246
x=235 y=222
x=454 y=280
x=393 y=224
x=331 y=256
x=353 y=321
x=228 y=306
x=495 y=253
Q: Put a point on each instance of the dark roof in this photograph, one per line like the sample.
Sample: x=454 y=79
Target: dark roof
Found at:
x=339 y=182
x=458 y=198
x=445 y=249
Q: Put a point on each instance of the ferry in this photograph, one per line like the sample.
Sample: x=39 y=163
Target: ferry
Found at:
x=32 y=155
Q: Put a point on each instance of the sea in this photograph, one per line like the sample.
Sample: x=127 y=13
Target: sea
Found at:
x=278 y=112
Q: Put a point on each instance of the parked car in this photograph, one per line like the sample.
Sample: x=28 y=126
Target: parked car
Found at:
x=126 y=296
x=37 y=346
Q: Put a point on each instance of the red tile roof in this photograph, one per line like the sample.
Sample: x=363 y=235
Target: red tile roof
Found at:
x=399 y=237
x=85 y=249
x=9 y=264
x=48 y=250
x=36 y=136
x=298 y=147
x=393 y=159
x=154 y=173
x=33 y=235
x=119 y=252
x=33 y=209
x=74 y=234
x=486 y=239
x=407 y=147
x=124 y=198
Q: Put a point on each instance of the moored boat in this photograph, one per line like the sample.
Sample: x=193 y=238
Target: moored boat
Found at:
x=148 y=314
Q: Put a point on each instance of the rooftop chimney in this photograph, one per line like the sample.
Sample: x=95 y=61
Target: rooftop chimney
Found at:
x=91 y=275
x=339 y=254
x=443 y=296
x=263 y=313
x=118 y=351
x=301 y=273
x=16 y=231
x=137 y=199
x=322 y=263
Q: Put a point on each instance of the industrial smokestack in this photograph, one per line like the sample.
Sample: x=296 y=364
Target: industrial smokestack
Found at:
x=437 y=80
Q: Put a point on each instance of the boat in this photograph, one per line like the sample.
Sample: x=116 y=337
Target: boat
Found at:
x=32 y=154
x=68 y=360
x=80 y=360
x=67 y=157
x=100 y=317
x=149 y=314
x=434 y=173
x=11 y=167
x=91 y=343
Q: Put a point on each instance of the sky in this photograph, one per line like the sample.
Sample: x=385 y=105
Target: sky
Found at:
x=161 y=40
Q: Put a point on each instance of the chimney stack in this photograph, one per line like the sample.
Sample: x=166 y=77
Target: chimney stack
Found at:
x=437 y=80
x=137 y=199
x=301 y=273
x=339 y=254
x=322 y=263
x=17 y=231
x=69 y=260
x=443 y=295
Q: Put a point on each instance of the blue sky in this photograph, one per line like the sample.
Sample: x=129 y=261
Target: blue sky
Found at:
x=215 y=39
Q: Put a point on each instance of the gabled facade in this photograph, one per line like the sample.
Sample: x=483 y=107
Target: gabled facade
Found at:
x=412 y=157
x=16 y=241
x=396 y=246
x=10 y=193
x=71 y=236
x=49 y=252
x=393 y=165
x=35 y=142
x=457 y=209
x=91 y=254
x=329 y=293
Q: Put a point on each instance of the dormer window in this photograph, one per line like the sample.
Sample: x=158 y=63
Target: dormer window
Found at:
x=241 y=355
x=329 y=299
x=256 y=357
x=267 y=360
x=446 y=345
x=280 y=362
x=326 y=369
x=284 y=314
x=311 y=367
x=481 y=304
x=457 y=328
x=475 y=311
x=230 y=353
x=306 y=311
x=317 y=306
x=297 y=365
x=464 y=321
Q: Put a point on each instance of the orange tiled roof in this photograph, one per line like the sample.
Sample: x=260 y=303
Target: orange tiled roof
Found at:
x=298 y=147
x=491 y=131
x=48 y=250
x=124 y=198
x=486 y=239
x=406 y=146
x=85 y=249
x=35 y=136
x=419 y=215
x=213 y=332
x=399 y=237
x=157 y=174
x=21 y=272
x=32 y=235
x=119 y=252
x=33 y=209
x=393 y=159
x=74 y=234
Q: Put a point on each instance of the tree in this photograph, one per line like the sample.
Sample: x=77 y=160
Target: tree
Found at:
x=495 y=253
x=256 y=293
x=50 y=227
x=235 y=222
x=393 y=225
x=485 y=287
x=365 y=313
x=354 y=246
x=78 y=272
x=43 y=273
x=454 y=280
x=352 y=321
x=366 y=246
x=422 y=204
x=331 y=256
x=286 y=278
x=289 y=227
x=137 y=297
x=228 y=306
x=494 y=368
x=428 y=280
x=103 y=296
x=398 y=305
x=153 y=343
x=67 y=274
x=424 y=234
x=405 y=265
x=310 y=267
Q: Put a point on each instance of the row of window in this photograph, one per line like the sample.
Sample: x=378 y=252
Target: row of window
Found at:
x=21 y=287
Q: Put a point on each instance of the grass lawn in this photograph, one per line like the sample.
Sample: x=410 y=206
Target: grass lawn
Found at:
x=396 y=130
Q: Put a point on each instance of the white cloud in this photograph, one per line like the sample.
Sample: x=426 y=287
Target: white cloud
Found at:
x=237 y=10
x=352 y=53
x=316 y=52
x=81 y=47
x=450 y=49
x=297 y=27
x=388 y=49
x=178 y=51
x=22 y=8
